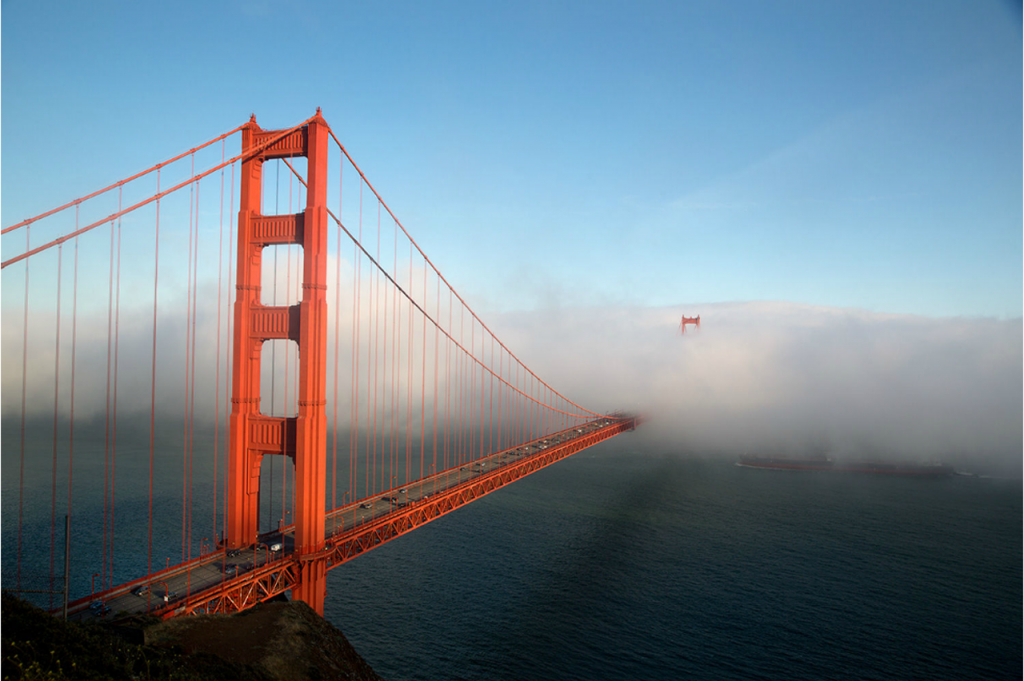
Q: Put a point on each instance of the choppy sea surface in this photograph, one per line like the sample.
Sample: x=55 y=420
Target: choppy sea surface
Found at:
x=629 y=561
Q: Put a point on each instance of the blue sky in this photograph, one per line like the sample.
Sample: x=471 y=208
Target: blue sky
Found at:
x=557 y=154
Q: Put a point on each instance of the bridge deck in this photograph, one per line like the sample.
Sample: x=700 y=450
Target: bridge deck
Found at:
x=229 y=581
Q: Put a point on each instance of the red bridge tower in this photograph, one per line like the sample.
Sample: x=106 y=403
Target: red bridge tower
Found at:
x=252 y=434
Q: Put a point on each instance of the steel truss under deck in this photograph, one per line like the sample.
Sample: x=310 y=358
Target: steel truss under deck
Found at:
x=278 y=576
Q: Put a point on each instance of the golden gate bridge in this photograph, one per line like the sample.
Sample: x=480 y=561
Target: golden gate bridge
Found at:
x=345 y=364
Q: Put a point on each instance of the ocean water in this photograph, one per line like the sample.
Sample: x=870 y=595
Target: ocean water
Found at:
x=630 y=561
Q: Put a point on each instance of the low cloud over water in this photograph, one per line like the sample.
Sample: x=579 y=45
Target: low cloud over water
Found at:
x=757 y=377
x=786 y=378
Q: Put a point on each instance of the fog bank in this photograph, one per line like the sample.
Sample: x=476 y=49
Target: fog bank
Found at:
x=757 y=377
x=786 y=378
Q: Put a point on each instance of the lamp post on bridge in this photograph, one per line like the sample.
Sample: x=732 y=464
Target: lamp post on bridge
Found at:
x=167 y=592
x=255 y=552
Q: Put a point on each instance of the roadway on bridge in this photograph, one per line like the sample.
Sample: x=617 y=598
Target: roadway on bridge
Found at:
x=225 y=566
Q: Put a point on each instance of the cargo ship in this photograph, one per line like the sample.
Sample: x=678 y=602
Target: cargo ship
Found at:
x=777 y=463
x=906 y=469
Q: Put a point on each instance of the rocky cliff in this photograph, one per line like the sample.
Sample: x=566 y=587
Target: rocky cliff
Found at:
x=278 y=641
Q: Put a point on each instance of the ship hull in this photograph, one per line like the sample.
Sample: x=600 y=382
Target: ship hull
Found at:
x=772 y=463
x=910 y=470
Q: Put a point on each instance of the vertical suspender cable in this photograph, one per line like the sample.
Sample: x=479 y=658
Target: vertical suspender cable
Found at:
x=479 y=419
x=230 y=317
x=287 y=355
x=460 y=368
x=490 y=402
x=423 y=379
x=437 y=363
x=501 y=394
x=515 y=422
x=397 y=376
x=502 y=441
x=370 y=318
x=187 y=364
x=357 y=268
x=447 y=385
x=376 y=355
x=461 y=410
x=71 y=417
x=152 y=394
x=457 y=388
x=483 y=351
x=56 y=386
x=216 y=371
x=471 y=439
x=396 y=329
x=295 y=376
x=337 y=317
x=273 y=347
x=385 y=463
x=113 y=441
x=106 y=428
x=287 y=352
x=394 y=342
x=408 y=340
x=446 y=415
x=484 y=370
x=192 y=369
x=24 y=379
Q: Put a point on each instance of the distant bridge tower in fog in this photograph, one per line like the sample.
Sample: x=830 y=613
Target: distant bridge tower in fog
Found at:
x=688 y=320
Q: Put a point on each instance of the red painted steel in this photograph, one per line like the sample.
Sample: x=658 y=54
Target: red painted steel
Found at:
x=278 y=576
x=122 y=183
x=422 y=398
x=346 y=545
x=688 y=320
x=145 y=202
x=252 y=434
